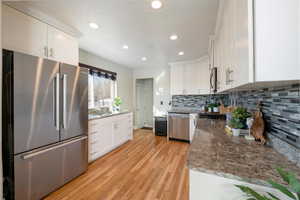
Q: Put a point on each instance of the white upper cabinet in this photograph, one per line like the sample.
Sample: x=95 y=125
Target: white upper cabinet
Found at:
x=257 y=42
x=190 y=78
x=28 y=35
x=277 y=38
x=23 y=33
x=62 y=47
x=176 y=79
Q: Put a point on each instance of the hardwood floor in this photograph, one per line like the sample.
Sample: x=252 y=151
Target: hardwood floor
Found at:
x=146 y=168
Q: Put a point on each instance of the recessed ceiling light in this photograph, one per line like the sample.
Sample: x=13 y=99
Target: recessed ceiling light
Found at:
x=93 y=25
x=174 y=37
x=181 y=53
x=144 y=58
x=156 y=4
x=125 y=46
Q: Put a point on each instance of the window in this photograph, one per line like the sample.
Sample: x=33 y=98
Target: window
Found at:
x=102 y=91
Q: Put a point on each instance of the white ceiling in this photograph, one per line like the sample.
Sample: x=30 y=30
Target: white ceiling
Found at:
x=133 y=22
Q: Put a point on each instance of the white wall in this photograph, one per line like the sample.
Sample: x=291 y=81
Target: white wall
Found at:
x=124 y=76
x=161 y=87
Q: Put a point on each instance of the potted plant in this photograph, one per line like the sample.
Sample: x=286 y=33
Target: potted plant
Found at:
x=292 y=191
x=117 y=103
x=213 y=107
x=241 y=114
x=236 y=126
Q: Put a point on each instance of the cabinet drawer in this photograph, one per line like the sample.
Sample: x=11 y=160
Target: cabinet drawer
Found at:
x=94 y=138
x=94 y=148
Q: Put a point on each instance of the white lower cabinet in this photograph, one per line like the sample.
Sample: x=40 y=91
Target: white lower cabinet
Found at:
x=106 y=134
x=214 y=187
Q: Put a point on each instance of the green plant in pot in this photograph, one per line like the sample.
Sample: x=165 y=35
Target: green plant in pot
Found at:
x=236 y=126
x=213 y=107
x=292 y=190
x=117 y=103
x=241 y=114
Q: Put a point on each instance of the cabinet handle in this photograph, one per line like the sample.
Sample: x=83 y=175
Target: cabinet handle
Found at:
x=94 y=132
x=228 y=73
x=46 y=51
x=51 y=52
x=116 y=126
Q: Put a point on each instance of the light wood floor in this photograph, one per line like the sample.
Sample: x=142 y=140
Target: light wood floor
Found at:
x=146 y=168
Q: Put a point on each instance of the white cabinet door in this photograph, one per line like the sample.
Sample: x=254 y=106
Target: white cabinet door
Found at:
x=220 y=61
x=122 y=128
x=203 y=77
x=62 y=47
x=242 y=44
x=23 y=33
x=190 y=78
x=176 y=76
x=277 y=40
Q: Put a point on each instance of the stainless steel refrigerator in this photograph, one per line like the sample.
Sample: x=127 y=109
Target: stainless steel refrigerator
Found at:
x=45 y=125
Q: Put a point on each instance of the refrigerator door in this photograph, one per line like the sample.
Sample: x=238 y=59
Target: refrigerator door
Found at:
x=35 y=97
x=74 y=101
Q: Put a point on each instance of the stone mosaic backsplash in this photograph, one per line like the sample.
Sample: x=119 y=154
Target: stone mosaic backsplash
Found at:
x=197 y=101
x=280 y=106
x=281 y=109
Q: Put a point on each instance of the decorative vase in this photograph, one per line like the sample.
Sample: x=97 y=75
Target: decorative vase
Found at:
x=117 y=108
x=236 y=132
x=216 y=109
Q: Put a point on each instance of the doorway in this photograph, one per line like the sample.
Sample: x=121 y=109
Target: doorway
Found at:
x=144 y=103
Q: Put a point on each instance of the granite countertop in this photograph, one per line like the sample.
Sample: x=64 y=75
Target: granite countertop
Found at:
x=92 y=116
x=213 y=151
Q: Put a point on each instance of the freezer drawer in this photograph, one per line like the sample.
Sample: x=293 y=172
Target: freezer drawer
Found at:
x=43 y=171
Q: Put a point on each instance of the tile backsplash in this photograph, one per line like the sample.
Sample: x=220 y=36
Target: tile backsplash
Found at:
x=280 y=106
x=197 y=101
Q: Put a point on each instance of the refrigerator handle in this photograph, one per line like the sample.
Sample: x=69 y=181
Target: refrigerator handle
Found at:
x=36 y=153
x=65 y=77
x=57 y=78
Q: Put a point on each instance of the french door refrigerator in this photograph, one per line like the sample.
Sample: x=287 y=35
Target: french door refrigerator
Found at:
x=45 y=123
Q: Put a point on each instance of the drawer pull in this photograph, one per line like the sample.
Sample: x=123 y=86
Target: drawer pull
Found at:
x=94 y=142
x=93 y=132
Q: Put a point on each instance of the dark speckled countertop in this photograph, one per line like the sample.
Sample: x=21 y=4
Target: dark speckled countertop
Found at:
x=213 y=151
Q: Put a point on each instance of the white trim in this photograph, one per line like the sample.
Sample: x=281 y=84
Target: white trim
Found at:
x=190 y=61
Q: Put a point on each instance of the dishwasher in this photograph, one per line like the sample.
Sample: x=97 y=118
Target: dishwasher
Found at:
x=179 y=126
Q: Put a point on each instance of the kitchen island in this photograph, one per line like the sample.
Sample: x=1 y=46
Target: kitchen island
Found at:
x=218 y=161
